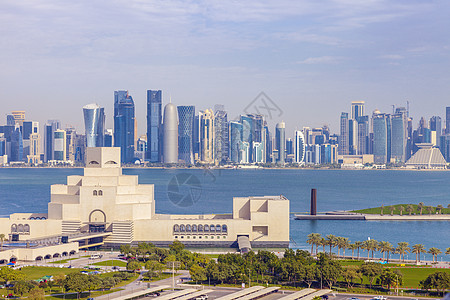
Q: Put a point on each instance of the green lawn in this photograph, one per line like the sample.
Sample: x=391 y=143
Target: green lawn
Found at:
x=412 y=276
x=32 y=273
x=387 y=210
x=110 y=263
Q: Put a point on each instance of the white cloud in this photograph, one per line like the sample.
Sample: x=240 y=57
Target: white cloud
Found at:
x=321 y=60
x=392 y=56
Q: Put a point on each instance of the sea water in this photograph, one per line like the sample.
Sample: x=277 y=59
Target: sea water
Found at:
x=212 y=191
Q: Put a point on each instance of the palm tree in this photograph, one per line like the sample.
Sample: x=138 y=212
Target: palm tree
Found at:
x=313 y=239
x=420 y=207
x=346 y=245
x=342 y=243
x=392 y=208
x=409 y=209
x=447 y=251
x=402 y=209
x=370 y=245
x=430 y=209
x=384 y=247
x=358 y=246
x=2 y=238
x=418 y=249
x=353 y=247
x=439 y=207
x=323 y=243
x=402 y=249
x=331 y=241
x=435 y=252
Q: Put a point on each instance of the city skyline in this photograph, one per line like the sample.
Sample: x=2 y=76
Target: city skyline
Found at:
x=310 y=59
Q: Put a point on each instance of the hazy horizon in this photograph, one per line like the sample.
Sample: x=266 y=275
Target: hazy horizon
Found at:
x=312 y=59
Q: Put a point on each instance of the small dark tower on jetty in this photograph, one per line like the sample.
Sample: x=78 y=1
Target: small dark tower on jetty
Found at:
x=313 y=202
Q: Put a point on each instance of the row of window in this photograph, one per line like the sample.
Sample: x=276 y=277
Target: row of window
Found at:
x=21 y=228
x=38 y=218
x=200 y=237
x=97 y=193
x=200 y=228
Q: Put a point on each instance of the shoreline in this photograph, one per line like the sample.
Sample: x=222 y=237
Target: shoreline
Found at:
x=228 y=168
x=370 y=217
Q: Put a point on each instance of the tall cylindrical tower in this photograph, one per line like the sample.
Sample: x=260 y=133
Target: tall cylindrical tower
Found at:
x=170 y=138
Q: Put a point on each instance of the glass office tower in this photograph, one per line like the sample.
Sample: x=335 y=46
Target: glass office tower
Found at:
x=186 y=116
x=154 y=125
x=124 y=122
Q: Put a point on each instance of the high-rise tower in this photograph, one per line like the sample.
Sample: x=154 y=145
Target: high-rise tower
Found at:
x=186 y=116
x=170 y=139
x=94 y=124
x=357 y=109
x=154 y=125
x=207 y=136
x=124 y=123
x=221 y=141
x=300 y=147
x=280 y=140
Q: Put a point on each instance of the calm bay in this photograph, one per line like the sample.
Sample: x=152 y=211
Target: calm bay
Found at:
x=28 y=190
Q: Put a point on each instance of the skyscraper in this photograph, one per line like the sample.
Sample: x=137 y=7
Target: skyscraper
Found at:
x=447 y=120
x=280 y=140
x=16 y=144
x=207 y=136
x=436 y=130
x=300 y=147
x=357 y=109
x=50 y=128
x=170 y=139
x=154 y=125
x=221 y=135
x=59 y=145
x=344 y=136
x=363 y=135
x=186 y=116
x=398 y=137
x=381 y=138
x=124 y=123
x=236 y=130
x=19 y=116
x=94 y=124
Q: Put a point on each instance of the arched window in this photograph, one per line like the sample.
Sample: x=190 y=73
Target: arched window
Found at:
x=110 y=162
x=20 y=228
x=13 y=228
x=182 y=228
x=100 y=193
x=200 y=228
x=188 y=228
x=224 y=228
x=212 y=228
x=176 y=228
x=206 y=228
x=93 y=162
x=94 y=193
x=26 y=228
x=194 y=228
x=218 y=228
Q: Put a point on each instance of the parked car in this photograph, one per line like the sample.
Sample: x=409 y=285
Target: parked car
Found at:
x=379 y=298
x=325 y=297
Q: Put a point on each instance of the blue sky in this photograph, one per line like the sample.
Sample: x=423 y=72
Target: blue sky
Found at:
x=312 y=58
